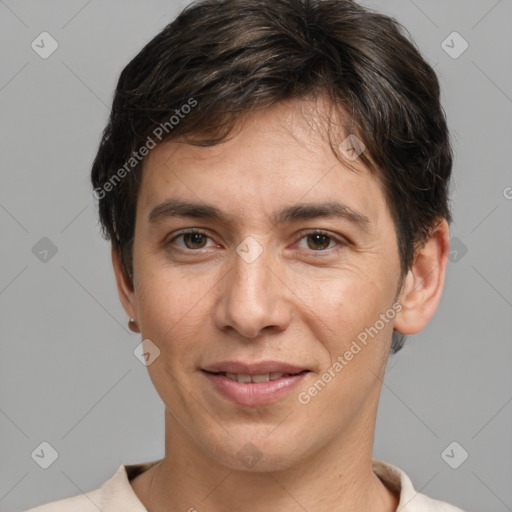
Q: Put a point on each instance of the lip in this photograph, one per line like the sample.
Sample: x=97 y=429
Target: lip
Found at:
x=254 y=394
x=254 y=368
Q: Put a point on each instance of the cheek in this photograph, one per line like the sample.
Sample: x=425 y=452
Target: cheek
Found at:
x=171 y=308
x=344 y=303
x=347 y=322
x=173 y=319
x=347 y=310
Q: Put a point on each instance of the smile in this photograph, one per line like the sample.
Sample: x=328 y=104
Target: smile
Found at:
x=254 y=390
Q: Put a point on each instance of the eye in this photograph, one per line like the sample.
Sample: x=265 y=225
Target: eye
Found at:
x=320 y=241
x=192 y=240
x=317 y=241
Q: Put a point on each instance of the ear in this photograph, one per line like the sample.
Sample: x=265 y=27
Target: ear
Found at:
x=424 y=282
x=124 y=286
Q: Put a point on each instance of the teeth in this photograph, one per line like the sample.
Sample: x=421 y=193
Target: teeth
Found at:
x=261 y=378
x=256 y=378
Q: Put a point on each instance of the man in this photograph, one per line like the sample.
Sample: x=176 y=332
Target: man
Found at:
x=274 y=180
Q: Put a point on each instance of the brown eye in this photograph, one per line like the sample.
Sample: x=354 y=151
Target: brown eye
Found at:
x=189 y=241
x=194 y=240
x=319 y=241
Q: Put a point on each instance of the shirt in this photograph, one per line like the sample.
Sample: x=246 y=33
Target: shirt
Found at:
x=116 y=494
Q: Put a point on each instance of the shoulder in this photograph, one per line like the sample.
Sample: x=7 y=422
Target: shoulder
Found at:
x=114 y=495
x=88 y=502
x=425 y=504
x=410 y=500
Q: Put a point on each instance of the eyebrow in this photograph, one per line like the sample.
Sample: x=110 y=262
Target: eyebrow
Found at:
x=302 y=211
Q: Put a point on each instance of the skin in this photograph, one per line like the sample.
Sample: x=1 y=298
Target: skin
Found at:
x=288 y=305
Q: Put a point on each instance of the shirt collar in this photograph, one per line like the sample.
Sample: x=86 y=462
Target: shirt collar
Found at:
x=117 y=493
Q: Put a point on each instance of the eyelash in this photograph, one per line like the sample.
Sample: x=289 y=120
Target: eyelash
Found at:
x=341 y=243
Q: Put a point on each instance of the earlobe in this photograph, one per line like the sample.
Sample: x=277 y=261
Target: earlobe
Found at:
x=124 y=287
x=424 y=282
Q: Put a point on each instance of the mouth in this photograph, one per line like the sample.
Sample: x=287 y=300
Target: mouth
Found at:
x=256 y=378
x=256 y=384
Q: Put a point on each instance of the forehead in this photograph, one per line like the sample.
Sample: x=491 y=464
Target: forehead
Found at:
x=277 y=155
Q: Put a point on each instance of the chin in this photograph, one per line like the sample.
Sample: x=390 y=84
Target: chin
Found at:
x=257 y=454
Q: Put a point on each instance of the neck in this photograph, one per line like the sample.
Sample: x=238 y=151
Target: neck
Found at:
x=338 y=477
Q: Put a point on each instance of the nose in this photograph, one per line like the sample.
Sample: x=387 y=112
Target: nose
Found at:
x=254 y=297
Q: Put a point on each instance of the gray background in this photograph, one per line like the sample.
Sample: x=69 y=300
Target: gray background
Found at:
x=68 y=373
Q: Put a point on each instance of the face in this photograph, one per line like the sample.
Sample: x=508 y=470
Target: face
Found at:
x=261 y=271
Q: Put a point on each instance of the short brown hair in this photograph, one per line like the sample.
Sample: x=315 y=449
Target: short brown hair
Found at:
x=228 y=57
